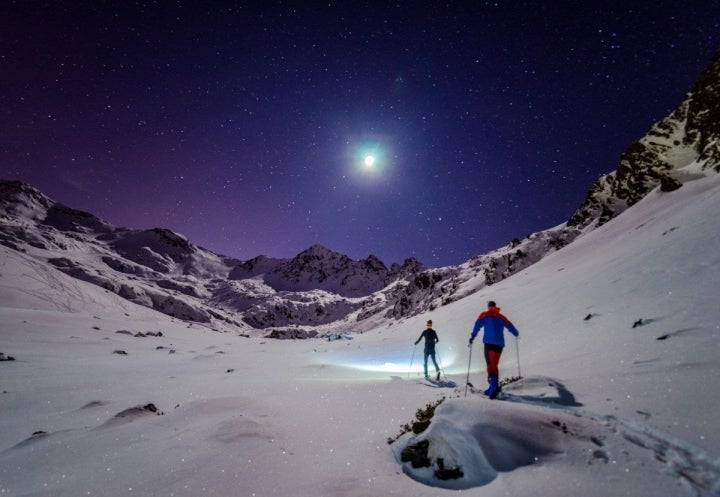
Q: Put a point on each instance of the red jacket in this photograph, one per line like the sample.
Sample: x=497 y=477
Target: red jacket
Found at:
x=494 y=324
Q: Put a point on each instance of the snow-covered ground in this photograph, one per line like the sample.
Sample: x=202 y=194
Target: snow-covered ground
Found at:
x=605 y=408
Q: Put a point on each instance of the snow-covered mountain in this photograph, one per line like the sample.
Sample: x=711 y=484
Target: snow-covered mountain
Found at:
x=155 y=268
x=319 y=268
x=165 y=271
x=315 y=292
x=689 y=135
x=319 y=290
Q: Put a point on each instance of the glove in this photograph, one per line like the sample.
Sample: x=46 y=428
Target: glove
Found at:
x=471 y=341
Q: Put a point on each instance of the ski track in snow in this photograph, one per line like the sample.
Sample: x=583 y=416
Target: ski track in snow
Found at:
x=699 y=469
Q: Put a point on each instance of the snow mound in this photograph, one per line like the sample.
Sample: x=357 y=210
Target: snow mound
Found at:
x=474 y=442
x=471 y=441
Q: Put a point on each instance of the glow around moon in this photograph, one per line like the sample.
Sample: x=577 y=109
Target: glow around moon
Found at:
x=369 y=158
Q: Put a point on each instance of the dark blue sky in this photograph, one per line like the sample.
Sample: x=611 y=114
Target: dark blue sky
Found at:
x=244 y=125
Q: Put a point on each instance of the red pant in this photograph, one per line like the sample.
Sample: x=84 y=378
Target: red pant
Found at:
x=492 y=359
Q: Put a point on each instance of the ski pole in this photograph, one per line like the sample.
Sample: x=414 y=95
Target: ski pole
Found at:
x=411 y=361
x=442 y=371
x=467 y=378
x=517 y=351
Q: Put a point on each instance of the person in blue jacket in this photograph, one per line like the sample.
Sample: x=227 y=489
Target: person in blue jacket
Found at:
x=431 y=338
x=494 y=324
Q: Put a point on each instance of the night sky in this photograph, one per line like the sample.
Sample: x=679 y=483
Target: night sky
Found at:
x=245 y=126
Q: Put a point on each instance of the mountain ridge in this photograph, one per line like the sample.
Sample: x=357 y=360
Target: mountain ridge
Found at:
x=322 y=291
x=689 y=135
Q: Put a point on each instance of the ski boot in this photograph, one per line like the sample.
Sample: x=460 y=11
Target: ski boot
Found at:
x=494 y=387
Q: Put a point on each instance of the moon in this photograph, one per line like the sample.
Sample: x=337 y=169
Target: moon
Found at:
x=368 y=158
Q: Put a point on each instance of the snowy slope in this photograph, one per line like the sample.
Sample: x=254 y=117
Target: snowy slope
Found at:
x=605 y=408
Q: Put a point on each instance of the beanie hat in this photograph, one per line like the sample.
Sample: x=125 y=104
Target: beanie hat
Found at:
x=492 y=304
x=429 y=323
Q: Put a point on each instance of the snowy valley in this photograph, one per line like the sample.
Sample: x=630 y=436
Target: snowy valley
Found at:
x=135 y=363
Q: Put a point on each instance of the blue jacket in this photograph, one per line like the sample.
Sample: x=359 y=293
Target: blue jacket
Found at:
x=494 y=323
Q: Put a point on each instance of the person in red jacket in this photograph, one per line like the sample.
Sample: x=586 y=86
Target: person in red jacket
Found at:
x=494 y=324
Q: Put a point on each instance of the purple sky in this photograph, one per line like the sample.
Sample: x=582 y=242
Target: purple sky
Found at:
x=244 y=126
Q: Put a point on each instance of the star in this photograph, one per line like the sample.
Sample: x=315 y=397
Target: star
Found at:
x=267 y=128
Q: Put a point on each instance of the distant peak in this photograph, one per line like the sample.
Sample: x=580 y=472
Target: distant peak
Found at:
x=317 y=248
x=174 y=239
x=318 y=251
x=18 y=199
x=13 y=189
